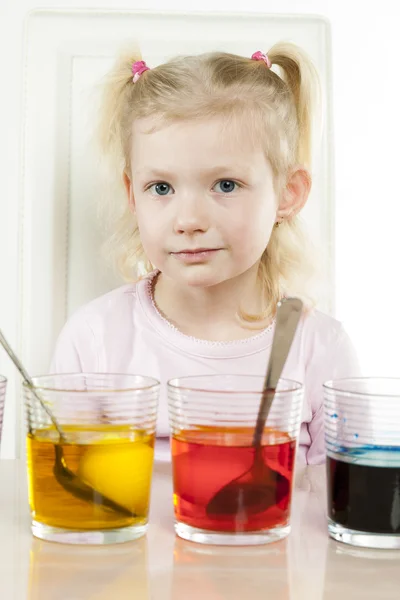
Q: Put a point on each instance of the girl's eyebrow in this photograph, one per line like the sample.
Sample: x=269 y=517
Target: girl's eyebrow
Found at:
x=213 y=171
x=151 y=172
x=228 y=168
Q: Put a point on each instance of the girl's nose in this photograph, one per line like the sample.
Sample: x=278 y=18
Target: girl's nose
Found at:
x=192 y=215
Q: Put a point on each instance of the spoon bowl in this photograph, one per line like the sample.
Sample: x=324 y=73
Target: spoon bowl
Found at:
x=253 y=492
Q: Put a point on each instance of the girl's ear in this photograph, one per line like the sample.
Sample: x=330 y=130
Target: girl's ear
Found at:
x=295 y=193
x=129 y=191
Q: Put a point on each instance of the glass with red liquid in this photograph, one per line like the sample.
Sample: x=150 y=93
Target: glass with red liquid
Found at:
x=212 y=419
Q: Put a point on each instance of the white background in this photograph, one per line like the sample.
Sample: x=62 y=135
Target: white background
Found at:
x=366 y=101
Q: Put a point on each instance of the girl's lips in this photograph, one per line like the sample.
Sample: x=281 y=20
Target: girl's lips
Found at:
x=196 y=256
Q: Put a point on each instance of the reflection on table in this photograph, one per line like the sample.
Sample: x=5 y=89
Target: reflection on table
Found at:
x=58 y=571
x=228 y=572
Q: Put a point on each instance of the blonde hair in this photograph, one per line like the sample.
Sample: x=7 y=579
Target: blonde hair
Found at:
x=278 y=106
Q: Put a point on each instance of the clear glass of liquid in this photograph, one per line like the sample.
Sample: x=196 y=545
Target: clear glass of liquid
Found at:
x=362 y=432
x=109 y=427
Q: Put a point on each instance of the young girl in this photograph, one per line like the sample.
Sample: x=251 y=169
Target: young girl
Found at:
x=214 y=152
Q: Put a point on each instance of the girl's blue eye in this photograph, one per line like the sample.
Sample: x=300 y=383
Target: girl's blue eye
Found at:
x=161 y=189
x=226 y=186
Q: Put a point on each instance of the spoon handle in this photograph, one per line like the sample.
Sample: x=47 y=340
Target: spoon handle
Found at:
x=288 y=314
x=15 y=360
x=29 y=382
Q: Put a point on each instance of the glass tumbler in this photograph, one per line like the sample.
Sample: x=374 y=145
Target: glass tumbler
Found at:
x=91 y=484
x=212 y=419
x=362 y=432
x=3 y=385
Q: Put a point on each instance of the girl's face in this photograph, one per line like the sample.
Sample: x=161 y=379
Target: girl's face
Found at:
x=204 y=199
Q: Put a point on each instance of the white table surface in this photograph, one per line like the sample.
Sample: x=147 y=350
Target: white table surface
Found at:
x=305 y=566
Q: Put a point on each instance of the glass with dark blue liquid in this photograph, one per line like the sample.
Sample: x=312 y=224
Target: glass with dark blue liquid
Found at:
x=362 y=433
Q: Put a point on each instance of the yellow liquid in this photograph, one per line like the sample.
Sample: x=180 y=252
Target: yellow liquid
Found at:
x=115 y=460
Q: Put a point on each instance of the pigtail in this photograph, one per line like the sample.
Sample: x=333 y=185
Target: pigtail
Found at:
x=298 y=71
x=118 y=95
x=115 y=109
x=287 y=265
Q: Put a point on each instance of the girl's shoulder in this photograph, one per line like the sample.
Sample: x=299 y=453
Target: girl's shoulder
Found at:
x=115 y=300
x=113 y=311
x=108 y=321
x=326 y=341
x=320 y=325
x=115 y=304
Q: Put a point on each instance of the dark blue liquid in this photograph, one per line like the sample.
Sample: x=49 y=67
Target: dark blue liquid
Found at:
x=364 y=489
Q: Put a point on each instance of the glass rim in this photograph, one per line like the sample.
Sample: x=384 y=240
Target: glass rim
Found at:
x=3 y=379
x=332 y=385
x=296 y=385
x=151 y=386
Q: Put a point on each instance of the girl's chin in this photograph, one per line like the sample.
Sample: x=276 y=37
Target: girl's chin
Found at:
x=205 y=278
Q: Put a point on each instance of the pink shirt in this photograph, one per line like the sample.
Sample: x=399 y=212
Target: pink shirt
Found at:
x=123 y=332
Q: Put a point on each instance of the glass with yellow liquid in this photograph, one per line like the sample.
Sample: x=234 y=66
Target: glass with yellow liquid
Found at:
x=108 y=422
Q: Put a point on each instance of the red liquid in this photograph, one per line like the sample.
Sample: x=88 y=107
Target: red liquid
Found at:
x=206 y=460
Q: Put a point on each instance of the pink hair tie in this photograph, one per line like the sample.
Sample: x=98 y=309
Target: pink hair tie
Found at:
x=261 y=56
x=138 y=68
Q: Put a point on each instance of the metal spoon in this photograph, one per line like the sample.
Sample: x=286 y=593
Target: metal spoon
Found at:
x=255 y=490
x=65 y=477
